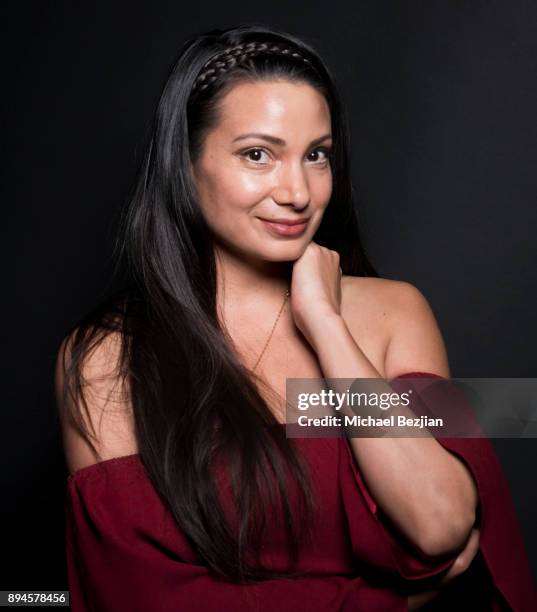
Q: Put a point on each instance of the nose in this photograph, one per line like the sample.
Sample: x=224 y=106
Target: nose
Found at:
x=292 y=186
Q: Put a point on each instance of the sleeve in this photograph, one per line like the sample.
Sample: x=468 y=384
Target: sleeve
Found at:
x=124 y=553
x=501 y=541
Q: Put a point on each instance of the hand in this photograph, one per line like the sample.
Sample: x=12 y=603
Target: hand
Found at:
x=460 y=565
x=315 y=287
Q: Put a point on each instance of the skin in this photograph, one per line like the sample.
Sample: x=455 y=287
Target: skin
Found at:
x=372 y=327
x=332 y=326
x=236 y=187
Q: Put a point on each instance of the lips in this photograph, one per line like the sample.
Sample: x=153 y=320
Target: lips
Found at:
x=287 y=221
x=285 y=227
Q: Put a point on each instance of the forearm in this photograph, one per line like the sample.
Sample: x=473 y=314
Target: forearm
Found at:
x=436 y=515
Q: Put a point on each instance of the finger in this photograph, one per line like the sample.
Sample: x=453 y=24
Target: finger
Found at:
x=472 y=546
x=465 y=558
x=418 y=600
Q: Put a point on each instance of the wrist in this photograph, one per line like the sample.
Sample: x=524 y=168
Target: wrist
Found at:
x=326 y=328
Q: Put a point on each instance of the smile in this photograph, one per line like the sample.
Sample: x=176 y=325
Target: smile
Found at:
x=285 y=228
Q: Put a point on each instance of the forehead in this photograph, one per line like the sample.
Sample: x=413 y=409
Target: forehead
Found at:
x=293 y=107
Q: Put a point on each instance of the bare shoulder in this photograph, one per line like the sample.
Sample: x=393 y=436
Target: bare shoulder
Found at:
x=372 y=301
x=401 y=315
x=105 y=412
x=372 y=290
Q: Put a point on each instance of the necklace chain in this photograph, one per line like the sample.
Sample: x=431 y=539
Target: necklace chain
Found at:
x=287 y=293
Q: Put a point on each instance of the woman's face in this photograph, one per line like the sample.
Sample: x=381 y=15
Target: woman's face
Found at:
x=266 y=161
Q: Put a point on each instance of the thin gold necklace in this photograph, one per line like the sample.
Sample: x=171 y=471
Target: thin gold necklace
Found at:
x=287 y=293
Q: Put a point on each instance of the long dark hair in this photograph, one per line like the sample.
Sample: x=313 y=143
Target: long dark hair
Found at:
x=193 y=402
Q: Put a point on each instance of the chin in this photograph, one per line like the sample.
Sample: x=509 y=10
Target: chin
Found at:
x=289 y=251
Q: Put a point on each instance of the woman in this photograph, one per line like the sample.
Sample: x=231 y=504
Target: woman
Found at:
x=245 y=268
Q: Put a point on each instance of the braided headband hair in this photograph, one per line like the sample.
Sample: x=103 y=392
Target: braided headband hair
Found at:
x=224 y=60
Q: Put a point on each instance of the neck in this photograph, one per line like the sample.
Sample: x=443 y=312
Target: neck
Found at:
x=241 y=281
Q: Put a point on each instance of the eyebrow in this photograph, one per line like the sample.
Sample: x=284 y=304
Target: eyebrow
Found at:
x=278 y=141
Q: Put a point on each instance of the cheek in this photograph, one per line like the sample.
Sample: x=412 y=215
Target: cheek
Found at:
x=322 y=190
x=227 y=195
x=242 y=188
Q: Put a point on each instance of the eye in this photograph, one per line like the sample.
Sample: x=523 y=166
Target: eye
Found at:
x=255 y=156
x=325 y=157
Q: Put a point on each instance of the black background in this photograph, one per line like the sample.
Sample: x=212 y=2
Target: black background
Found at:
x=442 y=98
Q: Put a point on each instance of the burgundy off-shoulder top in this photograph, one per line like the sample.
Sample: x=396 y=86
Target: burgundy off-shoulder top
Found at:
x=126 y=553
